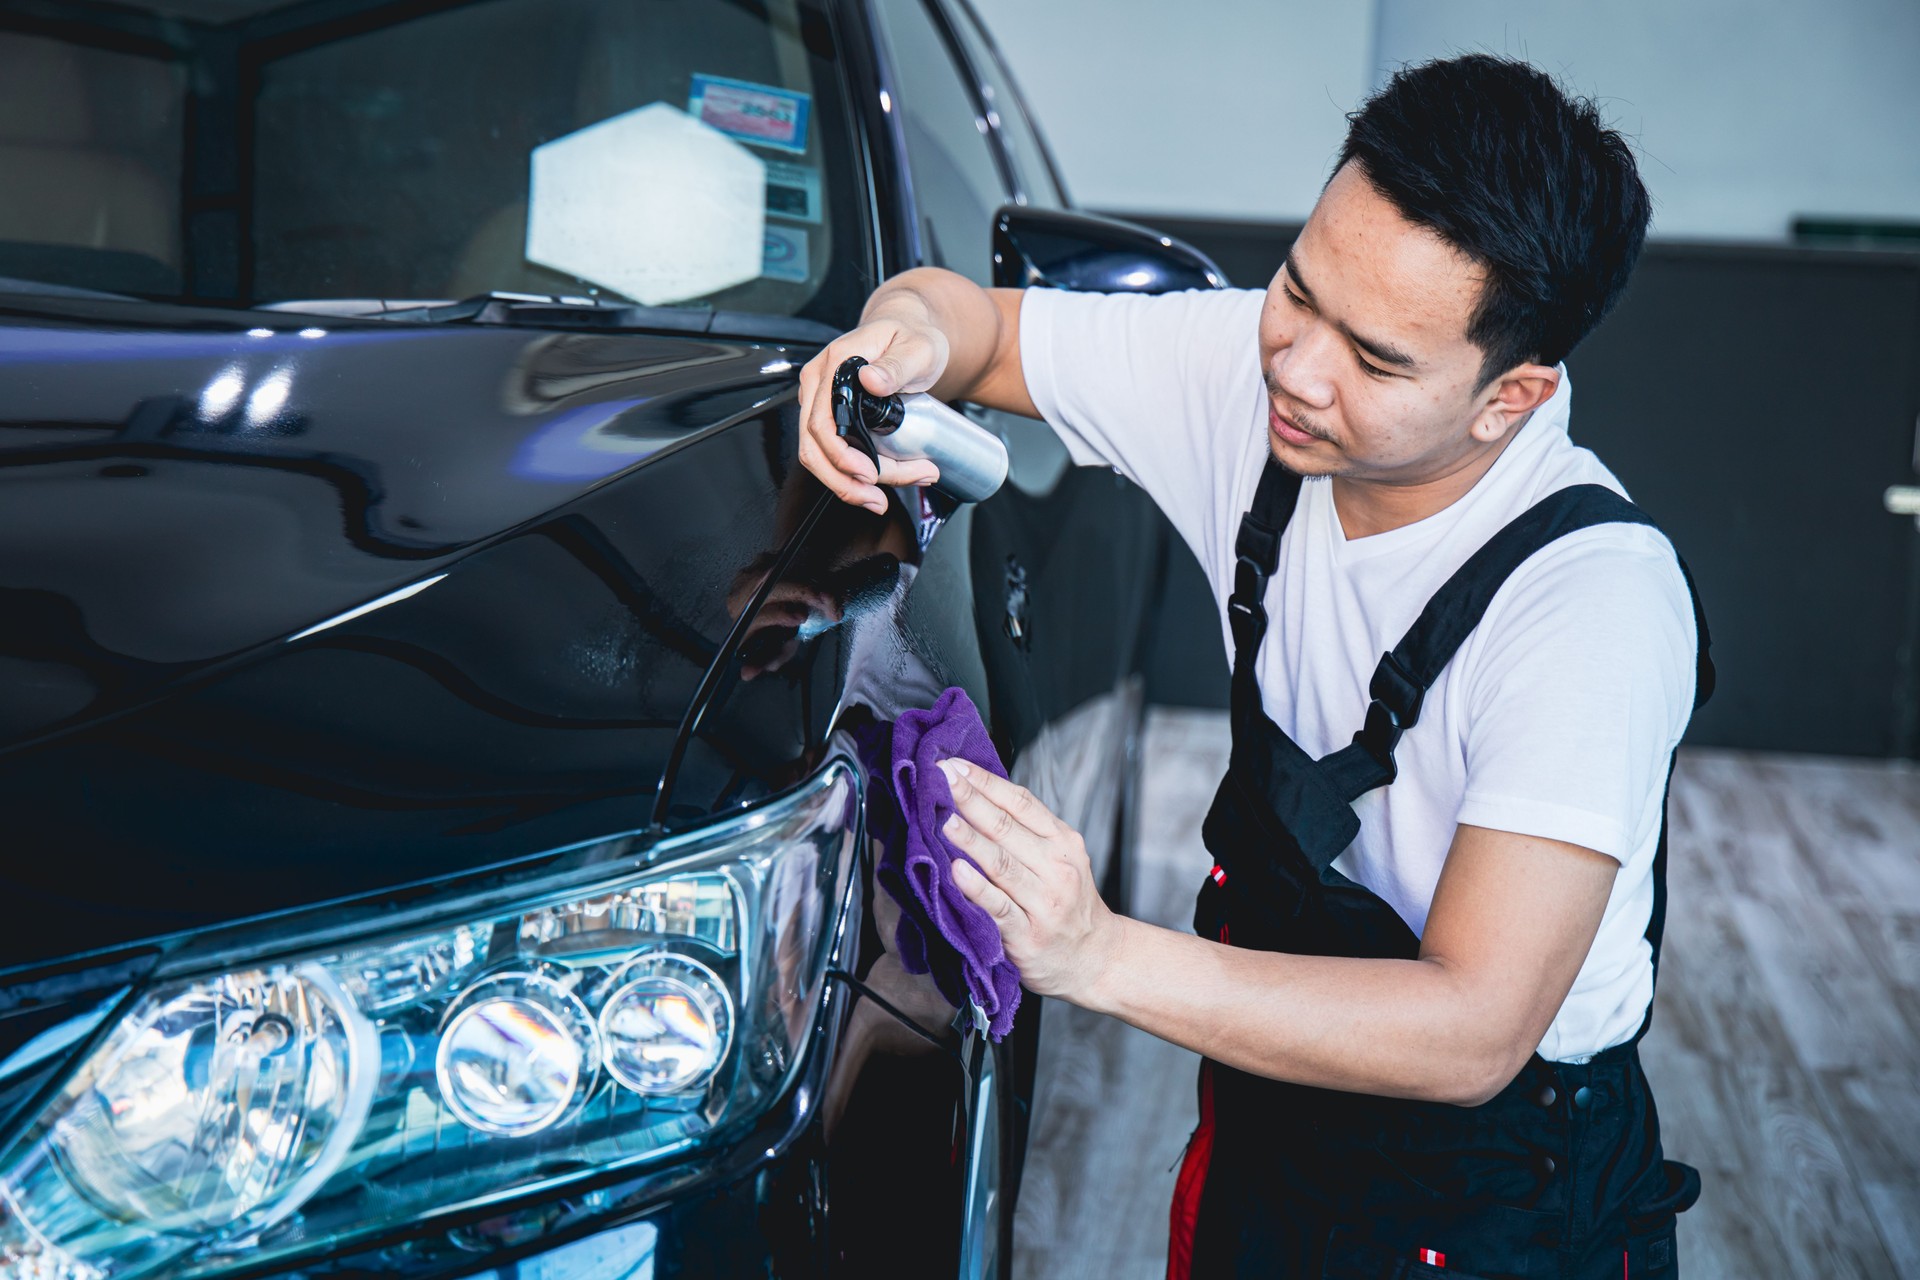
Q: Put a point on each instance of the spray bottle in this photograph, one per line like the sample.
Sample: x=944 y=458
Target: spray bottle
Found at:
x=972 y=460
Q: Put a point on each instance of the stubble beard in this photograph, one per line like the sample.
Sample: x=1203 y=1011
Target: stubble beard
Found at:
x=1300 y=459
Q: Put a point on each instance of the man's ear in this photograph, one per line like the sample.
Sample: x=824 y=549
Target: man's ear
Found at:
x=1508 y=400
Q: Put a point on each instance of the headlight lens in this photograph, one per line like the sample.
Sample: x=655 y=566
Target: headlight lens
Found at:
x=666 y=1028
x=221 y=1098
x=517 y=1051
x=296 y=1104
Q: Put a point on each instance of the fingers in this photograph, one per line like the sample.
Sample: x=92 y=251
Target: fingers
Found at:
x=907 y=471
x=1000 y=863
x=911 y=361
x=900 y=359
x=1038 y=888
x=983 y=893
x=781 y=656
x=982 y=814
x=881 y=376
x=1003 y=804
x=846 y=472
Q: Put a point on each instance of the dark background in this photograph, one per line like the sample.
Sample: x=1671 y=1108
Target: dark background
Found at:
x=1757 y=401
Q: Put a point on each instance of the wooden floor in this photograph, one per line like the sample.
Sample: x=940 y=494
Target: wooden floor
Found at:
x=1784 y=1051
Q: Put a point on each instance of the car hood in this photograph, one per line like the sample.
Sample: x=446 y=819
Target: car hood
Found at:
x=174 y=498
x=298 y=611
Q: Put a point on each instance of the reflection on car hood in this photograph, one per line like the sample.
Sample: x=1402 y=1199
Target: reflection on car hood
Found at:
x=172 y=498
x=202 y=718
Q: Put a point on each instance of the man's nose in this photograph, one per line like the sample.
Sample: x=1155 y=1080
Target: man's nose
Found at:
x=1304 y=369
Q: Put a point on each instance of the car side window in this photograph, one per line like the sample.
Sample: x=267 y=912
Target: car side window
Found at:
x=1007 y=113
x=956 y=177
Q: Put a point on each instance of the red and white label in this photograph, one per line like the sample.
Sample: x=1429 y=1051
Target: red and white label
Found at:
x=1433 y=1257
x=1218 y=875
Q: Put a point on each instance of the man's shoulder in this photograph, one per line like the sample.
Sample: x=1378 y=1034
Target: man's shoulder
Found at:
x=1048 y=305
x=1611 y=592
x=1631 y=552
x=1636 y=551
x=1148 y=359
x=1607 y=605
x=1163 y=387
x=1617 y=560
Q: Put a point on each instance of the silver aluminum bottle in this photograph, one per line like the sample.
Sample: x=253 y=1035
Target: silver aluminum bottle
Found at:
x=972 y=460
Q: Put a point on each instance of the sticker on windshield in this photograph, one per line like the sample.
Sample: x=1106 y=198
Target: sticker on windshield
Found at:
x=758 y=113
x=793 y=191
x=785 y=257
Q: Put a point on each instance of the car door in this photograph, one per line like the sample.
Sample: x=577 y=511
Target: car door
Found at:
x=1062 y=560
x=1087 y=576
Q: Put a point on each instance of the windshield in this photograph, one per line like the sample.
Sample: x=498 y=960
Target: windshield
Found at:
x=664 y=152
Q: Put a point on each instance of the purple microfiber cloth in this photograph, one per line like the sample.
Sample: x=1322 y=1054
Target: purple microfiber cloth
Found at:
x=874 y=741
x=940 y=931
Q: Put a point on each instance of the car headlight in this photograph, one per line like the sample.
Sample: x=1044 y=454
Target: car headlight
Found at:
x=605 y=1017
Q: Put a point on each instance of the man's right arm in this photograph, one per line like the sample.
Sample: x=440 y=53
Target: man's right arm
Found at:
x=924 y=330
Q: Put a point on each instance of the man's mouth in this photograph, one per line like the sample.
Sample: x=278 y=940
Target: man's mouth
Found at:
x=1286 y=431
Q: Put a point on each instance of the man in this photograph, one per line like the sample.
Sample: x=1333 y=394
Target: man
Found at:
x=1426 y=952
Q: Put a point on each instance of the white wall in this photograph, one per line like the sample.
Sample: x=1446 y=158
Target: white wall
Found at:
x=1746 y=112
x=1226 y=107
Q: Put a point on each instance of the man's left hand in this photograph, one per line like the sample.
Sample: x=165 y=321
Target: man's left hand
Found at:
x=1037 y=882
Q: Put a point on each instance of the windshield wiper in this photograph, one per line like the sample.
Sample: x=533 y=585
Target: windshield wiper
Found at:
x=547 y=310
x=41 y=288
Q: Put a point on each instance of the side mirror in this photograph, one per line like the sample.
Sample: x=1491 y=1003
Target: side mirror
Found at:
x=1051 y=248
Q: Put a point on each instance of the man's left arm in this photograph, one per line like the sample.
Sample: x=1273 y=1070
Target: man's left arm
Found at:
x=1578 y=692
x=1512 y=920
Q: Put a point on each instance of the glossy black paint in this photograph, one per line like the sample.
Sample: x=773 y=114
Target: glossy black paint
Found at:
x=1064 y=249
x=525 y=700
x=604 y=524
x=181 y=752
x=190 y=530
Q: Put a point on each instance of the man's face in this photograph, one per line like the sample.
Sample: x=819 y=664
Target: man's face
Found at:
x=1363 y=343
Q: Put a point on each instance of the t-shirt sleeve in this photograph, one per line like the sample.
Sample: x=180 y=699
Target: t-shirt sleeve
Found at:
x=1580 y=693
x=1163 y=387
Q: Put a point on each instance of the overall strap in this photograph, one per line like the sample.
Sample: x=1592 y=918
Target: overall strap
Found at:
x=1404 y=675
x=1402 y=678
x=1256 y=556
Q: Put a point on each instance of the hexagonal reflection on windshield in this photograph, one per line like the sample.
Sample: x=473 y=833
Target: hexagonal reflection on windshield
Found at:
x=651 y=203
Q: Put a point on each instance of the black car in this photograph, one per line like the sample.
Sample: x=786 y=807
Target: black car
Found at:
x=433 y=825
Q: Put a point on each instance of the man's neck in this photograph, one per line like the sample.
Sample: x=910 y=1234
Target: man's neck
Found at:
x=1367 y=507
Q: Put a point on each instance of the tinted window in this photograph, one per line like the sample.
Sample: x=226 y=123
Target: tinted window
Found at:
x=1008 y=113
x=671 y=152
x=957 y=182
x=90 y=150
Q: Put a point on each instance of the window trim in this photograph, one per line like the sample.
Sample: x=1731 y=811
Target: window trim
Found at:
x=884 y=144
x=1012 y=86
x=976 y=95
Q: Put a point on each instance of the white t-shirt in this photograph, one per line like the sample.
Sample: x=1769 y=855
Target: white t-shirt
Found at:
x=1555 y=719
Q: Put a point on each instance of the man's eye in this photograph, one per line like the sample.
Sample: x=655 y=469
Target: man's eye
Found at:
x=1293 y=297
x=1372 y=369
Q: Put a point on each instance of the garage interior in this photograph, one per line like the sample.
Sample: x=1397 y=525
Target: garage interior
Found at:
x=1757 y=391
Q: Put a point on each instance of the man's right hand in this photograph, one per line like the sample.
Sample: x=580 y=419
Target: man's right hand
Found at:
x=903 y=356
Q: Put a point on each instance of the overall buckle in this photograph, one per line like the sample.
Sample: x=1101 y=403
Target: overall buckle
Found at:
x=1249 y=581
x=1246 y=613
x=1380 y=735
x=1395 y=708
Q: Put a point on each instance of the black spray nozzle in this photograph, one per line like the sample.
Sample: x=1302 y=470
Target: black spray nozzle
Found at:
x=858 y=413
x=972 y=461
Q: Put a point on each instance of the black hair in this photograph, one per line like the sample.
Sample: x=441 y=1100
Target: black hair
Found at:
x=1505 y=166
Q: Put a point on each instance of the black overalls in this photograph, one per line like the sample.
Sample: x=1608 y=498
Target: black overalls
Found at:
x=1561 y=1174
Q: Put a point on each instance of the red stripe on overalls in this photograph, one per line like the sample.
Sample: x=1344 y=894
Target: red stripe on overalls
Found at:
x=1191 y=1182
